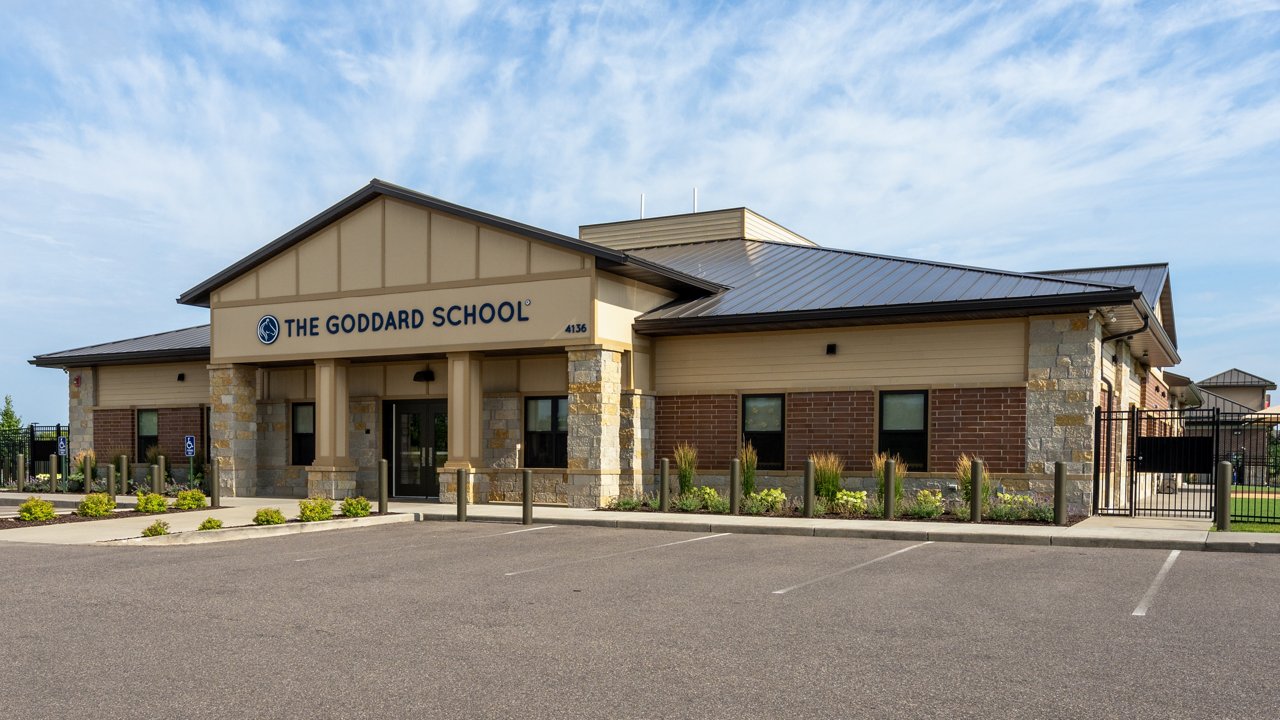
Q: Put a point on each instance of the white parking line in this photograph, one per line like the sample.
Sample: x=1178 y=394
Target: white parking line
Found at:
x=859 y=566
x=1141 y=610
x=616 y=554
x=511 y=532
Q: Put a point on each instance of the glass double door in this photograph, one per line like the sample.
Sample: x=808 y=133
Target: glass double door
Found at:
x=415 y=444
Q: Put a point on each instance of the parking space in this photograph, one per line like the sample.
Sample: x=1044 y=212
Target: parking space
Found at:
x=486 y=620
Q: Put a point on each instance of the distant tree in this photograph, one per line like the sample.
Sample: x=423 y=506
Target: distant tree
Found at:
x=9 y=420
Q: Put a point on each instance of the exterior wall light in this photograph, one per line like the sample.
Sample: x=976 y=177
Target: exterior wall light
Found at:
x=424 y=376
x=831 y=348
x=182 y=377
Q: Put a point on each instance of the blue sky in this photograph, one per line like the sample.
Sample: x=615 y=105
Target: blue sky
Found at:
x=144 y=147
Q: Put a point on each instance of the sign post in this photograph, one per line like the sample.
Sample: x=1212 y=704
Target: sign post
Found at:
x=189 y=447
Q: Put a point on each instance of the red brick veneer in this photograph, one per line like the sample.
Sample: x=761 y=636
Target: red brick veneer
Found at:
x=839 y=422
x=988 y=422
x=114 y=431
x=708 y=422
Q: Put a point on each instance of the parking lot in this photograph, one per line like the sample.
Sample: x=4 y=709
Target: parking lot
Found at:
x=487 y=620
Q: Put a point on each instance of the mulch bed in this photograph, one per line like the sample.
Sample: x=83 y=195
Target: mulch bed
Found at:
x=64 y=518
x=797 y=513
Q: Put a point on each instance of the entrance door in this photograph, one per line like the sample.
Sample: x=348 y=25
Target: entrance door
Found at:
x=415 y=444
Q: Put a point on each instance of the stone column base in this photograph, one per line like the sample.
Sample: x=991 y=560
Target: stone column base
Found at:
x=331 y=482
x=477 y=487
x=594 y=490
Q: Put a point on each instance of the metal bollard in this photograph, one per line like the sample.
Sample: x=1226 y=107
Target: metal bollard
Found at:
x=53 y=472
x=975 y=492
x=735 y=485
x=664 y=486
x=808 y=488
x=1059 y=493
x=124 y=474
x=462 y=495
x=164 y=471
x=382 y=488
x=111 y=481
x=1222 y=497
x=155 y=479
x=215 y=484
x=890 y=488
x=526 y=497
x=22 y=471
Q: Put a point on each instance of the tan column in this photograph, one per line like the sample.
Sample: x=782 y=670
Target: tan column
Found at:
x=333 y=472
x=465 y=411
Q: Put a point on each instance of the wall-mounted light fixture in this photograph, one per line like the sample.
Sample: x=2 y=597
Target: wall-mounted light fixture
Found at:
x=182 y=377
x=76 y=381
x=831 y=348
x=424 y=376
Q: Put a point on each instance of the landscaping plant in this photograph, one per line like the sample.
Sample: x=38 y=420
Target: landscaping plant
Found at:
x=315 y=508
x=268 y=516
x=750 y=460
x=96 y=505
x=878 y=462
x=210 y=523
x=151 y=503
x=686 y=466
x=36 y=510
x=964 y=478
x=356 y=507
x=765 y=501
x=827 y=469
x=626 y=503
x=850 y=503
x=155 y=529
x=190 y=500
x=926 y=504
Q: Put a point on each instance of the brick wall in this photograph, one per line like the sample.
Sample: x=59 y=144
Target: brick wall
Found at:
x=709 y=422
x=1155 y=394
x=175 y=425
x=839 y=422
x=113 y=433
x=987 y=422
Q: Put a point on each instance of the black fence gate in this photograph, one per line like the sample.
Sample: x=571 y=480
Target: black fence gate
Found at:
x=34 y=442
x=1162 y=462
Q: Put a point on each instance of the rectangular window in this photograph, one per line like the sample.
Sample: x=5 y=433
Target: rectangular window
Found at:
x=546 y=432
x=904 y=427
x=303 y=434
x=148 y=434
x=763 y=426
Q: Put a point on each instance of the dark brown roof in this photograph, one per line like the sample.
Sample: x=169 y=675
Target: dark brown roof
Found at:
x=1152 y=280
x=1236 y=377
x=187 y=344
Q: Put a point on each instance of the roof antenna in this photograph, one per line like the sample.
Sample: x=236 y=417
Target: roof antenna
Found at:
x=641 y=206
x=695 y=199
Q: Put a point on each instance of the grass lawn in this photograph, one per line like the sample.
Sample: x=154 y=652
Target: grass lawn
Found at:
x=1255 y=527
x=1255 y=507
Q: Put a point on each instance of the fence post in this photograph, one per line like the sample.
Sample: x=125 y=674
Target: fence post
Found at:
x=890 y=488
x=22 y=471
x=1222 y=497
x=53 y=472
x=808 y=488
x=664 y=486
x=976 y=480
x=382 y=488
x=215 y=483
x=155 y=480
x=1059 y=493
x=526 y=496
x=111 y=481
x=735 y=485
x=462 y=494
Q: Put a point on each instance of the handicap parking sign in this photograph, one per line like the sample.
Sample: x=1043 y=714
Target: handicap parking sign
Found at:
x=62 y=445
x=191 y=445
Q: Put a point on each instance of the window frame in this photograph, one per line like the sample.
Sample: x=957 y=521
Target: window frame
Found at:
x=920 y=436
x=780 y=435
x=559 y=438
x=139 y=446
x=297 y=441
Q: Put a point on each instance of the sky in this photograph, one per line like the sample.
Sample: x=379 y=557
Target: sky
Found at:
x=146 y=146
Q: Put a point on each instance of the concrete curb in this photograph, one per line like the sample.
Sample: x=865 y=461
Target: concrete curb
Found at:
x=249 y=532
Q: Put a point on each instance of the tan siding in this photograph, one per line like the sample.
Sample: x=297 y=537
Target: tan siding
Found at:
x=500 y=375
x=618 y=304
x=502 y=255
x=650 y=232
x=400 y=379
x=544 y=375
x=153 y=385
x=365 y=380
x=278 y=277
x=1254 y=398
x=762 y=228
x=408 y=228
x=242 y=288
x=453 y=249
x=923 y=355
x=318 y=262
x=360 y=235
x=544 y=258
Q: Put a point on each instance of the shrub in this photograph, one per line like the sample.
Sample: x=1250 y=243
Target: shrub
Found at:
x=765 y=501
x=626 y=503
x=689 y=503
x=36 y=510
x=875 y=507
x=210 y=523
x=1009 y=506
x=717 y=504
x=151 y=503
x=878 y=462
x=827 y=468
x=315 y=508
x=356 y=507
x=850 y=503
x=189 y=500
x=268 y=516
x=155 y=529
x=927 y=504
x=686 y=466
x=96 y=505
x=750 y=460
x=654 y=502
x=964 y=475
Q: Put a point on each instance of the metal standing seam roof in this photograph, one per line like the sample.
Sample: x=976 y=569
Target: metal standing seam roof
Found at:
x=1236 y=377
x=766 y=278
x=187 y=343
x=1152 y=280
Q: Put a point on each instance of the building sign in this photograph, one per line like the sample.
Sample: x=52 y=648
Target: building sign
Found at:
x=486 y=313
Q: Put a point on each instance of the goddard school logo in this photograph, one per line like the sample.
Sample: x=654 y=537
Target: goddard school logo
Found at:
x=268 y=329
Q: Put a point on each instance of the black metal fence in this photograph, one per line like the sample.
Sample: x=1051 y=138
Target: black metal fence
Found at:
x=35 y=443
x=1161 y=463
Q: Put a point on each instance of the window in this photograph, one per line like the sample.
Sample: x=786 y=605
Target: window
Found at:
x=148 y=433
x=303 y=445
x=546 y=432
x=762 y=426
x=903 y=428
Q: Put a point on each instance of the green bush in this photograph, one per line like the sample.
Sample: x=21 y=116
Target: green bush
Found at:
x=765 y=501
x=210 y=523
x=689 y=503
x=850 y=503
x=827 y=469
x=702 y=498
x=96 y=505
x=654 y=502
x=750 y=460
x=626 y=503
x=1010 y=506
x=151 y=503
x=927 y=504
x=315 y=508
x=356 y=507
x=686 y=466
x=190 y=500
x=156 y=528
x=36 y=510
x=717 y=505
x=268 y=516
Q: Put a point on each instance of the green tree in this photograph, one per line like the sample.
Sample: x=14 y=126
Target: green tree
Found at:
x=9 y=420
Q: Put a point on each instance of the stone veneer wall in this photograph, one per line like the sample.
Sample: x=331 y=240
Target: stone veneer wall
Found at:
x=275 y=476
x=500 y=424
x=1063 y=376
x=80 y=409
x=234 y=426
x=636 y=443
x=595 y=389
x=364 y=441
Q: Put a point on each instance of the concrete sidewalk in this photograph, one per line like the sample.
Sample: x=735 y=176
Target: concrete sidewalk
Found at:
x=1111 y=532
